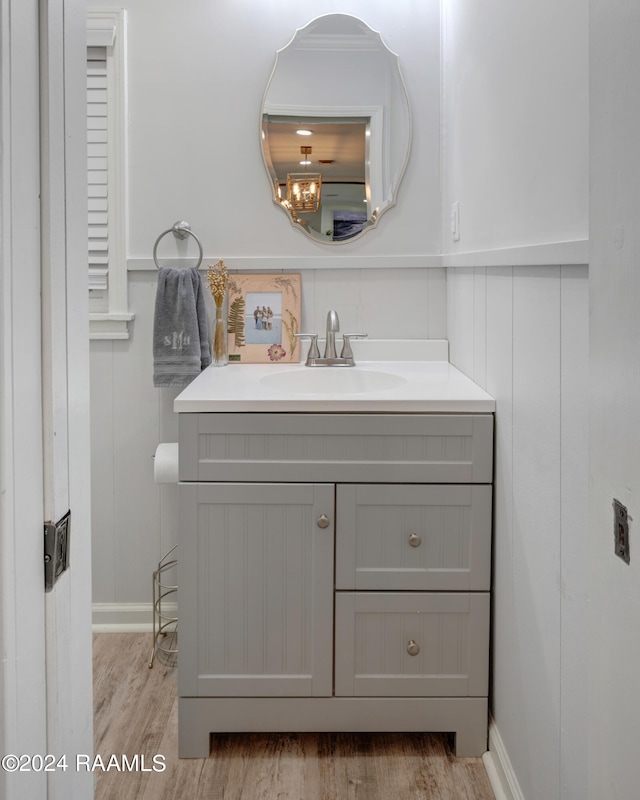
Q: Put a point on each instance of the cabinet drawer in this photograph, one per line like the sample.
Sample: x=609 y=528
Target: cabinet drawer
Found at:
x=385 y=448
x=406 y=644
x=413 y=537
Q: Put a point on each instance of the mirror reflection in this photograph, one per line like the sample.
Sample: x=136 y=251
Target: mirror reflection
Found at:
x=336 y=128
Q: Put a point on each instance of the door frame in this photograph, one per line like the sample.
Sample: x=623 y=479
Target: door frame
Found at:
x=45 y=677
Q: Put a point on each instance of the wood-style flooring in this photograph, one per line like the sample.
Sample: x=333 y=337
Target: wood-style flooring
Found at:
x=136 y=714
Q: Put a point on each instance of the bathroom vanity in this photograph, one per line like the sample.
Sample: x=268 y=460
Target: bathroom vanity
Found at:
x=334 y=552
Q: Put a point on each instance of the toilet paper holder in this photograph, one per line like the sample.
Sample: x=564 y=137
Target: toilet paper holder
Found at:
x=165 y=623
x=165 y=619
x=165 y=463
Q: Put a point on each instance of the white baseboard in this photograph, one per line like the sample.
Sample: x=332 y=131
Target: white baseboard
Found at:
x=499 y=769
x=127 y=617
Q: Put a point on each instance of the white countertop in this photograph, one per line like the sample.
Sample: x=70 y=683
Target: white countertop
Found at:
x=433 y=386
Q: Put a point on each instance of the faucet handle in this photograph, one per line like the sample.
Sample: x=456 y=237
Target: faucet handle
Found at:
x=347 y=352
x=313 y=347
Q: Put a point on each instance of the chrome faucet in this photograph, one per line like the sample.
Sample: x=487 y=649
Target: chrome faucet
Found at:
x=330 y=358
x=333 y=326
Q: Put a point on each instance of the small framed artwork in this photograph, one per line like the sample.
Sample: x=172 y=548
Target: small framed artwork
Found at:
x=263 y=316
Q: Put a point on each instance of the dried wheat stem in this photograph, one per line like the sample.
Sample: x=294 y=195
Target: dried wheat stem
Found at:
x=218 y=280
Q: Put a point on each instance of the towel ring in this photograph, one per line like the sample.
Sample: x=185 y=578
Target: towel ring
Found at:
x=180 y=230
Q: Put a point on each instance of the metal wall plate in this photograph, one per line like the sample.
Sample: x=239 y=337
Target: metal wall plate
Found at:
x=621 y=531
x=56 y=549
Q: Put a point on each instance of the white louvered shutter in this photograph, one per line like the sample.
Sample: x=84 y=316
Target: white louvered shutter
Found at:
x=109 y=314
x=98 y=172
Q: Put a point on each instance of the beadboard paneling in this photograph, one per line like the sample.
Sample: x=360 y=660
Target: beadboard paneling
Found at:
x=521 y=334
x=102 y=479
x=499 y=346
x=133 y=519
x=574 y=337
x=536 y=522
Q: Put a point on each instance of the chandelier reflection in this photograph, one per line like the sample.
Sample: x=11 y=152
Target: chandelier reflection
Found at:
x=304 y=188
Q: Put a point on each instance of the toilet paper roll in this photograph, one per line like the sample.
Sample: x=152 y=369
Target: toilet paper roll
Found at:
x=165 y=463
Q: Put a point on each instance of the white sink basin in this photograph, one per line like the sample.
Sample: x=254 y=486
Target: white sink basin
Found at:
x=331 y=380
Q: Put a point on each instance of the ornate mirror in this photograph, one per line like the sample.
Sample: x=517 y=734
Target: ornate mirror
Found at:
x=336 y=128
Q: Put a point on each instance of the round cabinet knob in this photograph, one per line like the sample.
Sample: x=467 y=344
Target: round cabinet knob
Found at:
x=415 y=540
x=412 y=648
x=323 y=521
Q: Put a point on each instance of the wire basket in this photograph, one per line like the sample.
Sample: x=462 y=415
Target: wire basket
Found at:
x=165 y=626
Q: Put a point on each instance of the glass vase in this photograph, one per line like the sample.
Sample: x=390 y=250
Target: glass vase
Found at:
x=220 y=347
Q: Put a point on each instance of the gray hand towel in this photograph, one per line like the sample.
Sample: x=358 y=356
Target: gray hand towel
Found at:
x=181 y=347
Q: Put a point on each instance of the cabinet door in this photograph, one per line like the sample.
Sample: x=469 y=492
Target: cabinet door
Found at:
x=413 y=537
x=255 y=590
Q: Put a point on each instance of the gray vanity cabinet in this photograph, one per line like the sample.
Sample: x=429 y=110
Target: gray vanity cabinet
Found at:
x=334 y=574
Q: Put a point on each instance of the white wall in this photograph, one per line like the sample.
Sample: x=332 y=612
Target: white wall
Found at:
x=614 y=602
x=197 y=74
x=515 y=122
x=522 y=334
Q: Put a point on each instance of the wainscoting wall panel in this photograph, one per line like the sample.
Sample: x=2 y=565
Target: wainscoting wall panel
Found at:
x=522 y=334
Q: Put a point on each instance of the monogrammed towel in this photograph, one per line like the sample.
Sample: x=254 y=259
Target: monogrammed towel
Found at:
x=181 y=346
